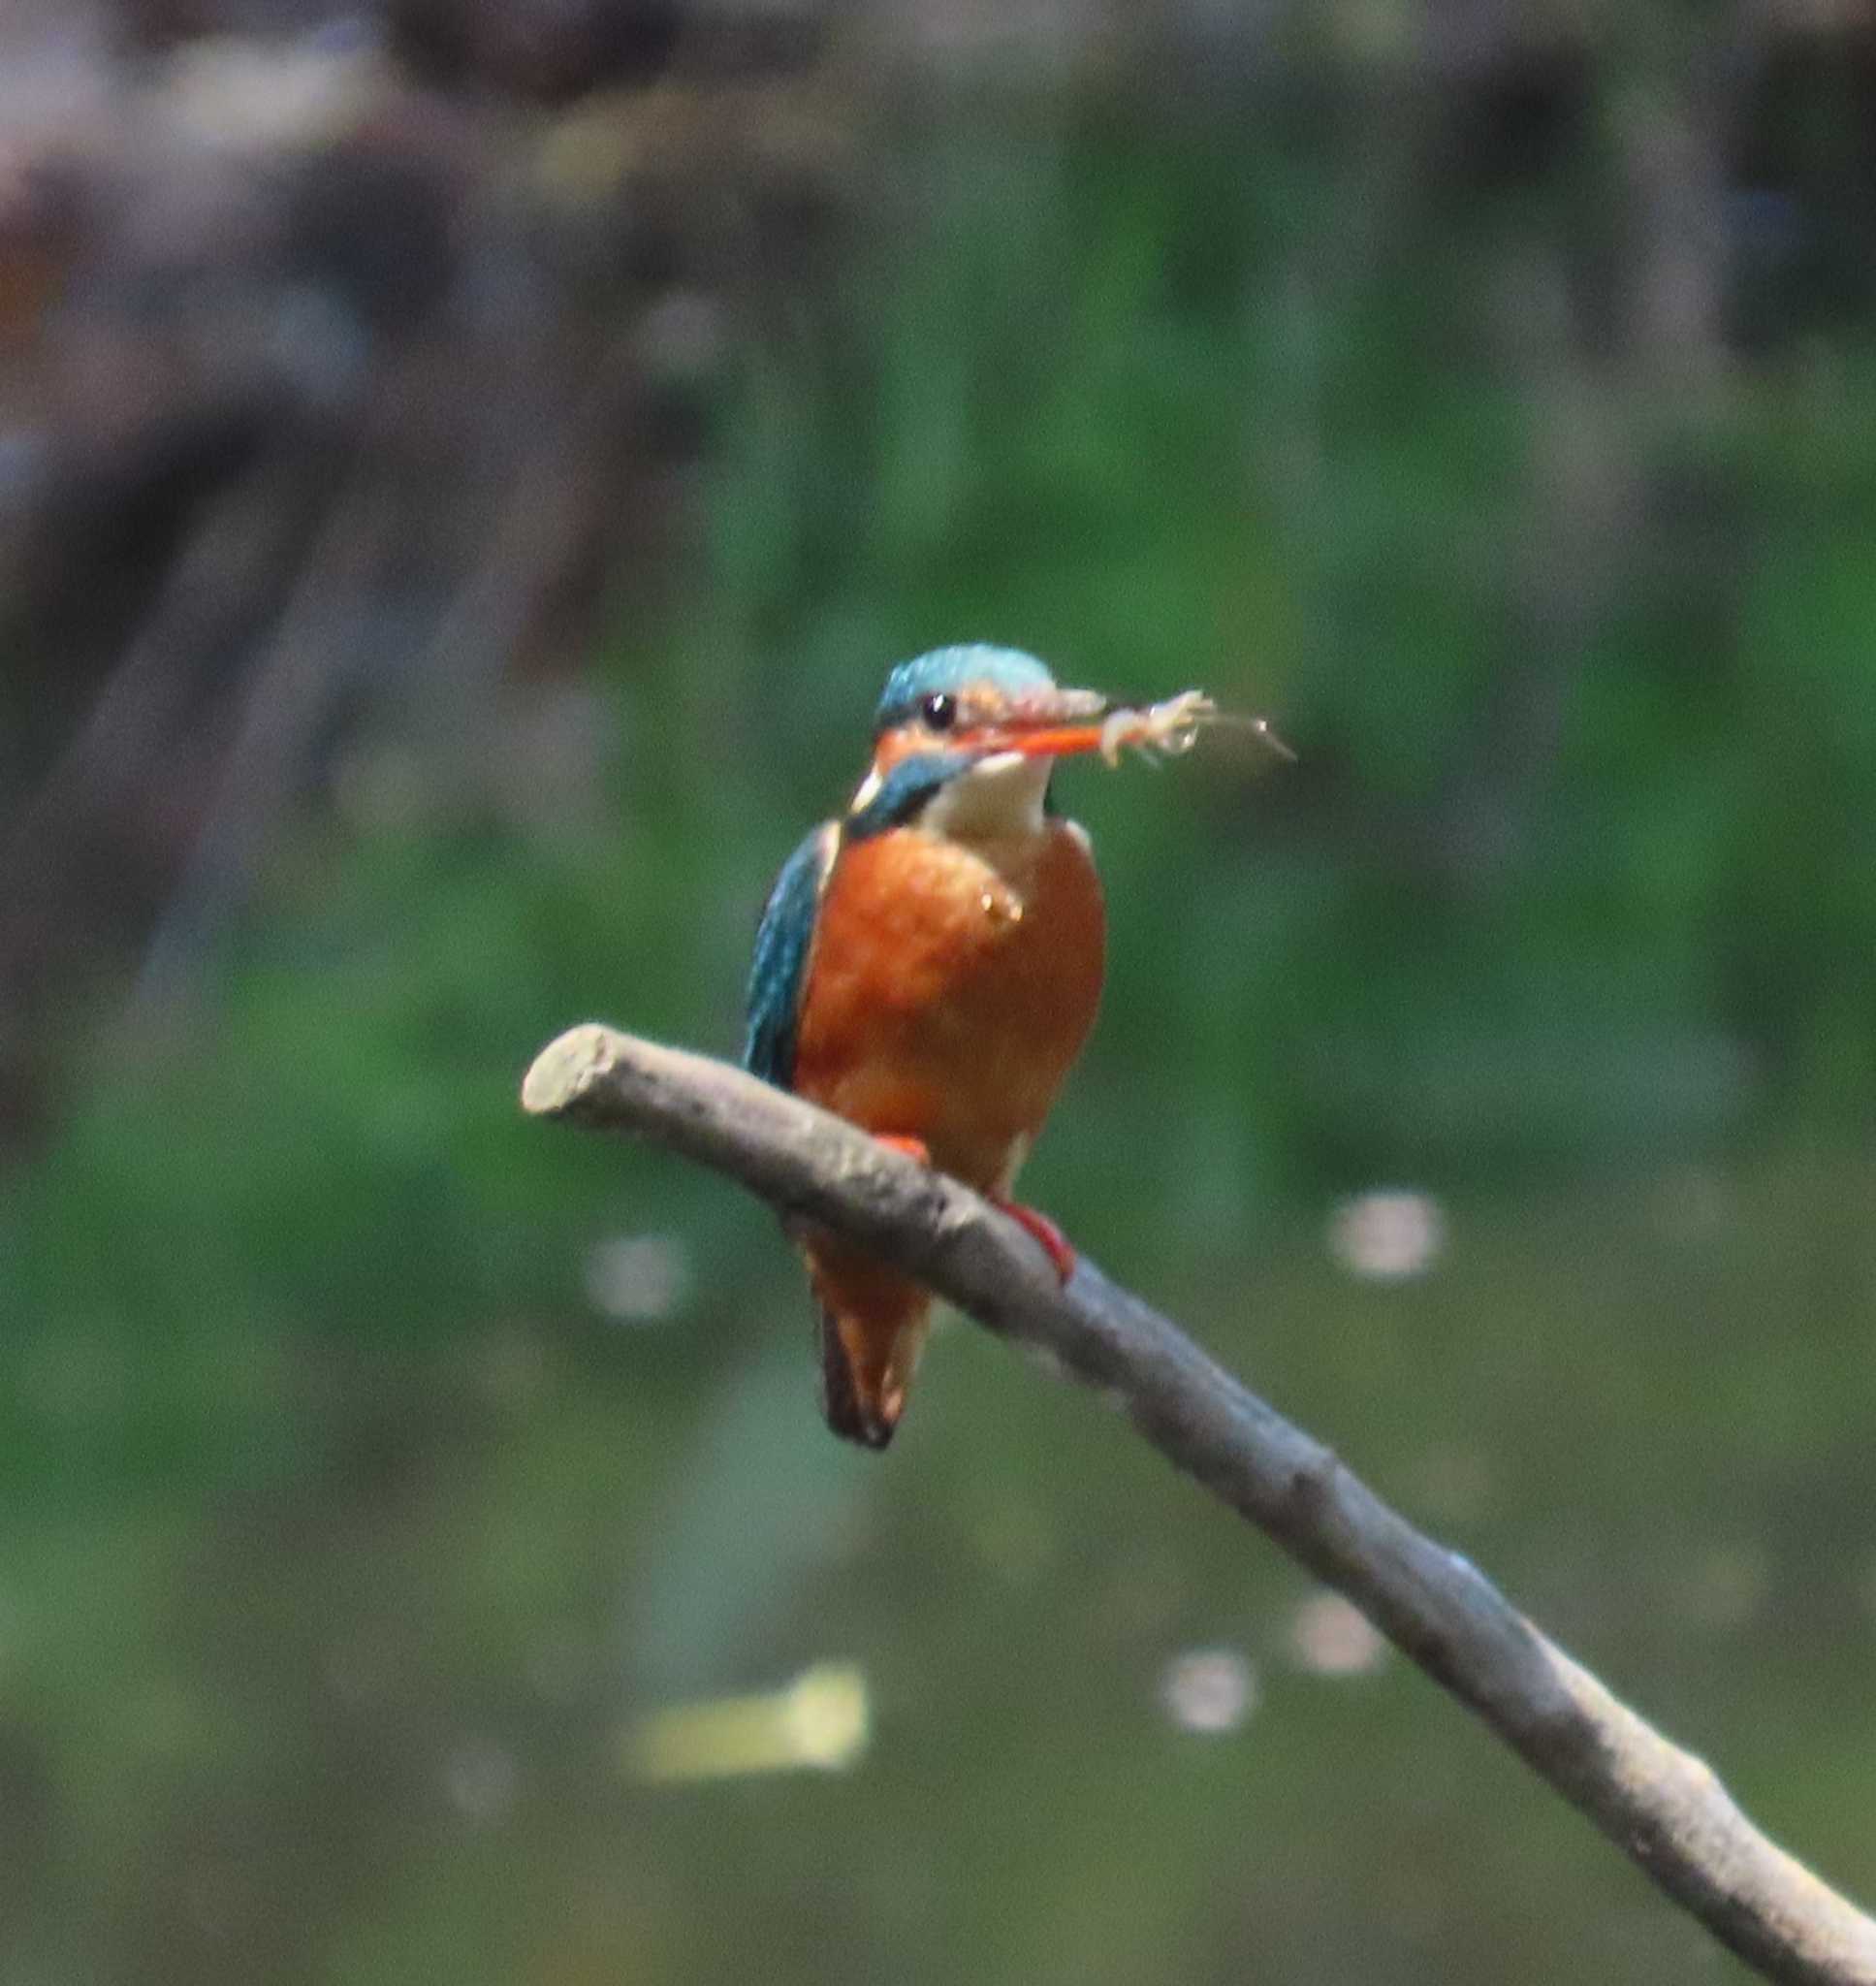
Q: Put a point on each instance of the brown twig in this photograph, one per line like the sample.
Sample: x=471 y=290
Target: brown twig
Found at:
x=1663 y=1806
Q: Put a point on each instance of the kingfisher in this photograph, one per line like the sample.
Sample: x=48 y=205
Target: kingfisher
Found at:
x=928 y=967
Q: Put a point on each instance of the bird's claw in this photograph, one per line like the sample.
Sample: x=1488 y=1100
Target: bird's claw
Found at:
x=1053 y=1242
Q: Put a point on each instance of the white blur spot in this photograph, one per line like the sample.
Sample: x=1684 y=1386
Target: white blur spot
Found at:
x=1328 y=1637
x=638 y=1278
x=1387 y=1235
x=268 y=98
x=1209 y=1690
x=479 y=1777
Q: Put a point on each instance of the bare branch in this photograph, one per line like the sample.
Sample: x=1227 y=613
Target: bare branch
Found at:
x=1661 y=1806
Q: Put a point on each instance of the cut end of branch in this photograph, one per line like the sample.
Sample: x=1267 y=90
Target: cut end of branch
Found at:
x=567 y=1070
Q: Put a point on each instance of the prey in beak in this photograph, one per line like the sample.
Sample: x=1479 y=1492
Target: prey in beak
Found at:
x=1058 y=724
x=965 y=741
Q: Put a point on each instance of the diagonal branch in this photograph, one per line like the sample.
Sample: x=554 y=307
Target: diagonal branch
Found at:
x=1663 y=1806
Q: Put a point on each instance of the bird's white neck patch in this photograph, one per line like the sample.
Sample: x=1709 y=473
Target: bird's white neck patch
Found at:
x=998 y=799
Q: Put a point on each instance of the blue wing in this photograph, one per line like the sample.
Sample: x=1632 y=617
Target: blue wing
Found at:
x=780 y=965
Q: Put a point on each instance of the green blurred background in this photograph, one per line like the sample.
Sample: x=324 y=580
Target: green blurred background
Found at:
x=464 y=473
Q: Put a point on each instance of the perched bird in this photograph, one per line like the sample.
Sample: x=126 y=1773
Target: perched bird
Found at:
x=929 y=967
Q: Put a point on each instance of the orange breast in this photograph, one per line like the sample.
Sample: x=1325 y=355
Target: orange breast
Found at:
x=950 y=987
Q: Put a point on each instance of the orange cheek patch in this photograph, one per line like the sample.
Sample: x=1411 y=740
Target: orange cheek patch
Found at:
x=895 y=747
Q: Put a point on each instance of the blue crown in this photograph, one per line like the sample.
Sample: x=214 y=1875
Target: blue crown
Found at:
x=1007 y=669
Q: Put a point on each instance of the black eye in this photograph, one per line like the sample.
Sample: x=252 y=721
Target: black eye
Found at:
x=939 y=709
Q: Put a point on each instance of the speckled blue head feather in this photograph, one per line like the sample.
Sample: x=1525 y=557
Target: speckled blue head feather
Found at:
x=1009 y=669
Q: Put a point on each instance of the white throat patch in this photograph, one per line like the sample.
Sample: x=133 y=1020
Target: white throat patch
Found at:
x=998 y=799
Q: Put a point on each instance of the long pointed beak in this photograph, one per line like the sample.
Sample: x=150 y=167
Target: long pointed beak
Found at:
x=1052 y=723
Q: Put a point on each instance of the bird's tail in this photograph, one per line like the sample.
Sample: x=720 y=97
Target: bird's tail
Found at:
x=873 y=1324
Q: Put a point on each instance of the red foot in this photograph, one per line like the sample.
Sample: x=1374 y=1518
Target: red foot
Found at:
x=1053 y=1241
x=912 y=1147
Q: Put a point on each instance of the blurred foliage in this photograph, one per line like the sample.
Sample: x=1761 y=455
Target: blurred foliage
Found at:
x=346 y=1538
